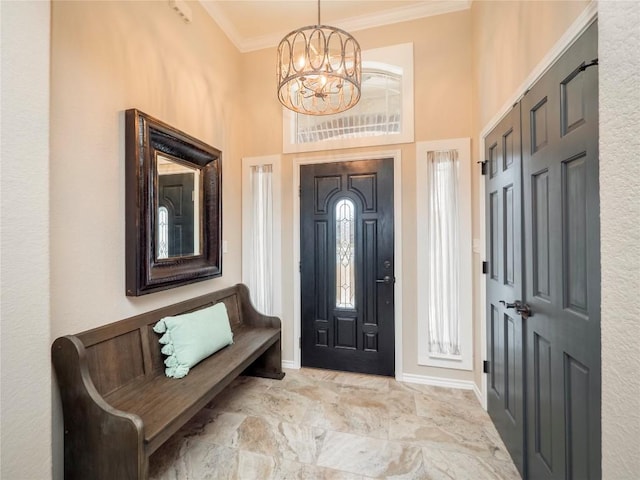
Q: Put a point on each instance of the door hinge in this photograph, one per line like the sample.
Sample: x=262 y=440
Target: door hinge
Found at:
x=485 y=267
x=483 y=168
x=300 y=342
x=299 y=267
x=592 y=63
x=300 y=191
x=485 y=366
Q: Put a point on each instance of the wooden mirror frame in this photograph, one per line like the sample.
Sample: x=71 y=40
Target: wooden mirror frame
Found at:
x=145 y=273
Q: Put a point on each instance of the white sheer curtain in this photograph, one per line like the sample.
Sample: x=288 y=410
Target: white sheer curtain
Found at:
x=260 y=281
x=443 y=237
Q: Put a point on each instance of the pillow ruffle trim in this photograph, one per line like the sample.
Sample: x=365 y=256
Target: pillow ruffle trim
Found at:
x=160 y=327
x=174 y=369
x=178 y=371
x=168 y=349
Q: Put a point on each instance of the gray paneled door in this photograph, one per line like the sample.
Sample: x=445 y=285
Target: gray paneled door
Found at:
x=505 y=283
x=562 y=232
x=544 y=383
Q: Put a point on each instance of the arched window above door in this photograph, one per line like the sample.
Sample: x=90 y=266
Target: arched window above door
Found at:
x=384 y=114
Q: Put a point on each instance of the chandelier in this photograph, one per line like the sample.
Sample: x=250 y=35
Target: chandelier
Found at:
x=319 y=70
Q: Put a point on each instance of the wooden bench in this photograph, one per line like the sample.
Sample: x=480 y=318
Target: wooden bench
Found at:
x=119 y=406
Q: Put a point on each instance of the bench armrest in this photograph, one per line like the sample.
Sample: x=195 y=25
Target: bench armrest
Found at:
x=269 y=364
x=100 y=441
x=250 y=316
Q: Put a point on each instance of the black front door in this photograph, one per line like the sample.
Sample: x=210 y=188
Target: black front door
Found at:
x=562 y=233
x=505 y=397
x=347 y=270
x=175 y=193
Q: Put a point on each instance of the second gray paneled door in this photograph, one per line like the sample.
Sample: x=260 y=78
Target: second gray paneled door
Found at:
x=544 y=383
x=562 y=238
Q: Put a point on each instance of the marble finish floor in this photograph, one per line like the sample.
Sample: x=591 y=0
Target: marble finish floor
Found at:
x=320 y=424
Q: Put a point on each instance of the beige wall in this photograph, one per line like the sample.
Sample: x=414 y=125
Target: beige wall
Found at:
x=25 y=376
x=108 y=57
x=442 y=79
x=509 y=39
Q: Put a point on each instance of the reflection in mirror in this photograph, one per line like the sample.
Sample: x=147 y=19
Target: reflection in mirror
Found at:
x=177 y=209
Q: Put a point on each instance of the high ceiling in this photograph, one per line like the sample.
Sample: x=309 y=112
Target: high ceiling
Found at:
x=255 y=24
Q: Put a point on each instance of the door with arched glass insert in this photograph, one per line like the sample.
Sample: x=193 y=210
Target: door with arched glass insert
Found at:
x=346 y=216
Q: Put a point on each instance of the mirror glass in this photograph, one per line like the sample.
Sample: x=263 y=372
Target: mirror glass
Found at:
x=178 y=209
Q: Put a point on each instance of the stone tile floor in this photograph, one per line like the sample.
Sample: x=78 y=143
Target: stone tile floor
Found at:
x=320 y=424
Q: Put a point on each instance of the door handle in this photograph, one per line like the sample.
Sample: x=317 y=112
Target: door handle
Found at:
x=386 y=279
x=521 y=309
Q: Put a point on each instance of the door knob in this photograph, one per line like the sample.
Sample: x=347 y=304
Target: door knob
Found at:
x=521 y=309
x=386 y=279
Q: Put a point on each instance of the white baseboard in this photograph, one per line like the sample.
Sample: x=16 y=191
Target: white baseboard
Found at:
x=442 y=382
x=290 y=364
x=437 y=381
x=481 y=398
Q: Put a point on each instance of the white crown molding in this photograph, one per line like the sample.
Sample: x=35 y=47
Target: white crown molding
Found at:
x=223 y=22
x=403 y=14
x=353 y=24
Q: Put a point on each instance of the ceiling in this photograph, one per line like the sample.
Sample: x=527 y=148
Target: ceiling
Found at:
x=256 y=24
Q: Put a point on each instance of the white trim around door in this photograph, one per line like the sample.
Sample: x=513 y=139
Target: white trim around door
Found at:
x=397 y=213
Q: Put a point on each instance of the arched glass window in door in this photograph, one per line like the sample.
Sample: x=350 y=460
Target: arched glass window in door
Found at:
x=163 y=233
x=345 y=254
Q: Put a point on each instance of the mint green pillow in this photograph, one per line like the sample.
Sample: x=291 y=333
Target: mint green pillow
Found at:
x=192 y=337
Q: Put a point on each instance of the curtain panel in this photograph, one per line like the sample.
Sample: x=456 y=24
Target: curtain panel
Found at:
x=443 y=248
x=260 y=281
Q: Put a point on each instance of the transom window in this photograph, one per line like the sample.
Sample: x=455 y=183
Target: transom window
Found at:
x=383 y=116
x=377 y=113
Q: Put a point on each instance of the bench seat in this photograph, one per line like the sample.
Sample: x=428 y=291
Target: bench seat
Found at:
x=175 y=401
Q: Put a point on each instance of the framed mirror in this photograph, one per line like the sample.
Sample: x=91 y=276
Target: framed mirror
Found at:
x=173 y=207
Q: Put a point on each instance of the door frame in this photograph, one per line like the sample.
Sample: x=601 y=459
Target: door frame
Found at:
x=330 y=157
x=577 y=28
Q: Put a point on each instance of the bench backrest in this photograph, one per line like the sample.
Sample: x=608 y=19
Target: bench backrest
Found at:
x=128 y=350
